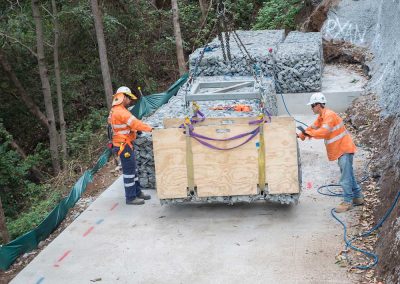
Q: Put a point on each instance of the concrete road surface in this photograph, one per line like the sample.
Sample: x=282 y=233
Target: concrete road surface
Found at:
x=245 y=243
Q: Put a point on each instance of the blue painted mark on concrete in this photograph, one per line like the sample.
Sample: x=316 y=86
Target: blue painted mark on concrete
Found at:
x=40 y=280
x=99 y=221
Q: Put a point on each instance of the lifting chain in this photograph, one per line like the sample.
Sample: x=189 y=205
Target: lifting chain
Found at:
x=221 y=39
x=222 y=23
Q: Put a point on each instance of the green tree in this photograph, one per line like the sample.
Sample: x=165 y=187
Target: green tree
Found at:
x=278 y=14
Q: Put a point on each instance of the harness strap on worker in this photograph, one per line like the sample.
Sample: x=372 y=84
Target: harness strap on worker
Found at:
x=122 y=146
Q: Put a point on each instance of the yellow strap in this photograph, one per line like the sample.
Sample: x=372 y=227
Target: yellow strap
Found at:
x=121 y=148
x=187 y=121
x=261 y=159
x=189 y=160
x=196 y=107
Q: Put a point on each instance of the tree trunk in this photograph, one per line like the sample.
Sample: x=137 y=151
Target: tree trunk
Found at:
x=105 y=71
x=22 y=94
x=46 y=87
x=203 y=8
x=178 y=38
x=154 y=3
x=3 y=226
x=58 y=82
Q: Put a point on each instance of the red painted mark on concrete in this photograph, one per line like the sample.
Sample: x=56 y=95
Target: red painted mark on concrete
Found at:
x=113 y=207
x=309 y=185
x=88 y=231
x=62 y=258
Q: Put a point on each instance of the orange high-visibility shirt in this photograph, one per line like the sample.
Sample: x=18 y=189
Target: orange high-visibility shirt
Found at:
x=125 y=125
x=330 y=127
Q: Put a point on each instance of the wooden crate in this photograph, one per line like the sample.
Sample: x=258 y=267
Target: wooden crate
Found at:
x=231 y=172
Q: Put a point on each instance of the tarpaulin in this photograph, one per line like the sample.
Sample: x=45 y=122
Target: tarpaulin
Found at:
x=148 y=104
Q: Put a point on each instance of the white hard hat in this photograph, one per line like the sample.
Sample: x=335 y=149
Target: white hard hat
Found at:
x=119 y=95
x=127 y=91
x=317 y=98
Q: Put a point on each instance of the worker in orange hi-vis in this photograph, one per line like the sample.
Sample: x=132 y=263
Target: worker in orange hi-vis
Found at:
x=339 y=146
x=124 y=129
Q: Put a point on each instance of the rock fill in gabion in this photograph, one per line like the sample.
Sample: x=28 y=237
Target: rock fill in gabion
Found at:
x=298 y=68
x=298 y=59
x=260 y=45
x=295 y=61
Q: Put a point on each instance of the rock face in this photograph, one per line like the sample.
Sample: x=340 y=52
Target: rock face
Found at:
x=375 y=24
x=295 y=62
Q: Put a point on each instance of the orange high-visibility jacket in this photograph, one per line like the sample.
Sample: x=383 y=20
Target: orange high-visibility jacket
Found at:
x=330 y=126
x=125 y=125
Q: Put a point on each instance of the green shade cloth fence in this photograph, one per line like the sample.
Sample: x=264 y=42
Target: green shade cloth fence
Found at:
x=150 y=103
x=30 y=240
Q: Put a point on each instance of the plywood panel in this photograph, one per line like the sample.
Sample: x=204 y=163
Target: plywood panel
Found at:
x=226 y=173
x=169 y=147
x=281 y=164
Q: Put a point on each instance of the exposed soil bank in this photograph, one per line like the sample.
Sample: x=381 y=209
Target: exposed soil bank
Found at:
x=350 y=28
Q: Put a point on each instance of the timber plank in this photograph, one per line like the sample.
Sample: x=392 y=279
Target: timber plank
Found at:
x=281 y=163
x=169 y=148
x=176 y=122
x=226 y=173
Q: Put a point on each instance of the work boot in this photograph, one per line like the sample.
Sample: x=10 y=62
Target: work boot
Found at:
x=143 y=196
x=343 y=207
x=358 y=201
x=135 y=201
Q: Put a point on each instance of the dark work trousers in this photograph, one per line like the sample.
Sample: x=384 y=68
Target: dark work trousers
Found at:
x=130 y=172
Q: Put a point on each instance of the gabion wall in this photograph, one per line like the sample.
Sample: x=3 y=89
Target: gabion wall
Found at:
x=296 y=62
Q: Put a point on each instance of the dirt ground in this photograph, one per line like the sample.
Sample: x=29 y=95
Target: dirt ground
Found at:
x=318 y=16
x=373 y=132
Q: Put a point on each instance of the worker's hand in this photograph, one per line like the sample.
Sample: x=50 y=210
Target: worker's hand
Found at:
x=301 y=136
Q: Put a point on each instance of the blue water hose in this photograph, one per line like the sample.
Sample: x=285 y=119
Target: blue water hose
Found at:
x=348 y=242
x=287 y=110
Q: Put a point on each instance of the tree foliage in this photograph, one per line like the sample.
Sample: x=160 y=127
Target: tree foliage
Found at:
x=278 y=14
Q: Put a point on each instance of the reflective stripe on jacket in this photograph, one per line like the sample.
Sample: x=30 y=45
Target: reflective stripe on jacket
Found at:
x=330 y=126
x=124 y=125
